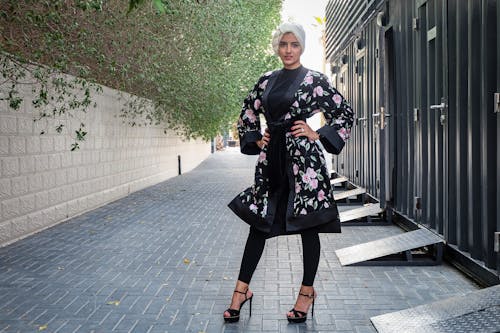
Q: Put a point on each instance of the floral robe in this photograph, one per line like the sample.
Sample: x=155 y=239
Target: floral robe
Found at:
x=310 y=201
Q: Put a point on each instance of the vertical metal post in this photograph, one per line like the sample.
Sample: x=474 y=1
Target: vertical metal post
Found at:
x=179 y=164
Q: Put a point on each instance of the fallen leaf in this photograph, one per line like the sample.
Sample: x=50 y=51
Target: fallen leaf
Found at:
x=42 y=328
x=115 y=303
x=187 y=261
x=61 y=268
x=167 y=299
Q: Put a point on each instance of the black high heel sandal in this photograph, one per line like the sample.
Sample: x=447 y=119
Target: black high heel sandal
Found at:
x=300 y=316
x=234 y=315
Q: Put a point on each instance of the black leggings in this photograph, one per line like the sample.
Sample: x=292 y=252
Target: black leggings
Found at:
x=255 y=246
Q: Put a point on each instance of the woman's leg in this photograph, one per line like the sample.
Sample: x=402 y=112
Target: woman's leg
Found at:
x=251 y=256
x=311 y=251
x=253 y=251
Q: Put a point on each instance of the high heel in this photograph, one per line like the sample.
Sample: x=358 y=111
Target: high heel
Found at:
x=234 y=315
x=300 y=316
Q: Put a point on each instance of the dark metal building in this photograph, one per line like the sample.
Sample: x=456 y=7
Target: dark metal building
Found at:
x=424 y=79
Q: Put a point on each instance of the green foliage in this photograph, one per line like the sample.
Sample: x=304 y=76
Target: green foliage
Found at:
x=194 y=59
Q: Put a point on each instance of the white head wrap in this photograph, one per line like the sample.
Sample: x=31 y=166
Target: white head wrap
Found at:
x=286 y=27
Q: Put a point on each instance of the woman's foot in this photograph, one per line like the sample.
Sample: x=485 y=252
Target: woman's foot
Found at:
x=240 y=295
x=305 y=299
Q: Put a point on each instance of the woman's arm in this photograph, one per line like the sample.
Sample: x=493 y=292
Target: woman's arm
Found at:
x=339 y=117
x=249 y=123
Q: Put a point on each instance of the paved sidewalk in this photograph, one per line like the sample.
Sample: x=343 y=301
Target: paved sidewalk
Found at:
x=165 y=259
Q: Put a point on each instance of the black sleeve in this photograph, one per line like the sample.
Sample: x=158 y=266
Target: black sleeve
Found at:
x=330 y=139
x=247 y=142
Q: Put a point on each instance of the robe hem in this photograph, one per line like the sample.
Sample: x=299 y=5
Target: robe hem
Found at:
x=326 y=220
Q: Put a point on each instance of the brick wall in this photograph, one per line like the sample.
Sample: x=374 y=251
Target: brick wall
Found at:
x=42 y=182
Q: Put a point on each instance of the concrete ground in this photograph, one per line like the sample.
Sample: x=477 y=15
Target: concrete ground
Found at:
x=165 y=259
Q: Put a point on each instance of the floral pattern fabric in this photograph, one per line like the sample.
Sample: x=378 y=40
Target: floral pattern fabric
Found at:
x=312 y=192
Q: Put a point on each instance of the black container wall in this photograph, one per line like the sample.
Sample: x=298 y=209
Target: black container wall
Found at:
x=422 y=77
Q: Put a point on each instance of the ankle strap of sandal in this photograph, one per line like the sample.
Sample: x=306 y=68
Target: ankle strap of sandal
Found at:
x=241 y=292
x=309 y=296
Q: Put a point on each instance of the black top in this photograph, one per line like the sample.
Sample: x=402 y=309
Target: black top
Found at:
x=278 y=103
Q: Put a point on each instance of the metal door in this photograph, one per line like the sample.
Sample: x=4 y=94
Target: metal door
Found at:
x=432 y=109
x=385 y=92
x=361 y=171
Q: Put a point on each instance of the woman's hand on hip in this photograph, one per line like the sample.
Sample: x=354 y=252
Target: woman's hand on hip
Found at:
x=300 y=128
x=265 y=139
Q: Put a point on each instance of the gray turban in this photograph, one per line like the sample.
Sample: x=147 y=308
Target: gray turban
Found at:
x=292 y=27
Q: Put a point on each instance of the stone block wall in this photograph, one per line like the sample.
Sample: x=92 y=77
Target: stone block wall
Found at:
x=42 y=182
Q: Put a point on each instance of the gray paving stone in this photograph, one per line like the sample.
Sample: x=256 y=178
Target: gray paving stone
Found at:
x=165 y=259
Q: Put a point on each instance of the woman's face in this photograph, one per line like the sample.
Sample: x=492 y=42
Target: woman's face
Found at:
x=289 y=51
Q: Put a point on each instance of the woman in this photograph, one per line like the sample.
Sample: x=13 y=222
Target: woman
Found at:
x=292 y=192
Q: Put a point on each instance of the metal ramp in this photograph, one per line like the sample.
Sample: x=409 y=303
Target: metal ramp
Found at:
x=478 y=311
x=346 y=195
x=338 y=181
x=365 y=212
x=413 y=248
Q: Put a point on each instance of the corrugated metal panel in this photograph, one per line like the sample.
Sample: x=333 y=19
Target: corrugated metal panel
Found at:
x=343 y=18
x=439 y=165
x=497 y=107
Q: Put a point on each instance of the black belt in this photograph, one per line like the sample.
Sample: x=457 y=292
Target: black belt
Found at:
x=276 y=153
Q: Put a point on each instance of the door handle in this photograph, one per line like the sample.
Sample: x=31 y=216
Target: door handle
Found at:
x=362 y=119
x=442 y=107
x=438 y=106
x=382 y=116
x=378 y=115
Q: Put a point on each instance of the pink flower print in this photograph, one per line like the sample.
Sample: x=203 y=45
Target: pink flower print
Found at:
x=310 y=202
x=297 y=153
x=321 y=195
x=264 y=211
x=343 y=133
x=337 y=99
x=253 y=208
x=262 y=156
x=297 y=188
x=303 y=211
x=314 y=183
x=295 y=169
x=263 y=85
x=288 y=116
x=316 y=111
x=311 y=173
x=295 y=104
x=318 y=91
x=250 y=115
x=304 y=96
x=306 y=179
x=256 y=104
x=308 y=79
